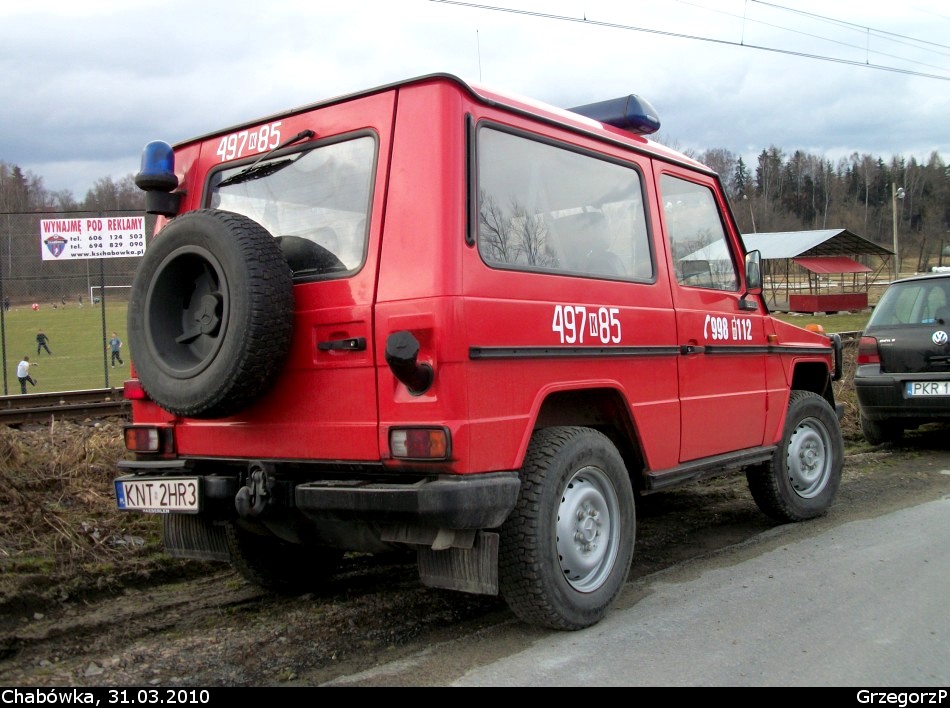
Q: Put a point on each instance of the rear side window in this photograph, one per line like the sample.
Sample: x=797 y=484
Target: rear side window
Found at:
x=315 y=202
x=915 y=302
x=542 y=207
x=701 y=256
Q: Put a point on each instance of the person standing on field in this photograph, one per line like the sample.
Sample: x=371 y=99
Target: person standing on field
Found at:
x=41 y=342
x=115 y=345
x=23 y=373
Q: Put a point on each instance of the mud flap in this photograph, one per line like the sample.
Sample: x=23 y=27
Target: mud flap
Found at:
x=473 y=570
x=194 y=536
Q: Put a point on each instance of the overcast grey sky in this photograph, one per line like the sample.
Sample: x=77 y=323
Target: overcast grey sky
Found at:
x=85 y=85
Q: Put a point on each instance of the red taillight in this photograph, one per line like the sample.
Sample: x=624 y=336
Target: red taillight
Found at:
x=150 y=439
x=867 y=351
x=419 y=443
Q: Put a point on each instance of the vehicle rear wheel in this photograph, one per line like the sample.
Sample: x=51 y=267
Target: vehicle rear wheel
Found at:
x=566 y=548
x=274 y=564
x=210 y=314
x=802 y=478
x=877 y=432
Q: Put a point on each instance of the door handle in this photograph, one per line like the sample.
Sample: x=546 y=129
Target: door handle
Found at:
x=353 y=344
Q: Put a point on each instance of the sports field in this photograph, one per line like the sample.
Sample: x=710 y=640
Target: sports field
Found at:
x=78 y=339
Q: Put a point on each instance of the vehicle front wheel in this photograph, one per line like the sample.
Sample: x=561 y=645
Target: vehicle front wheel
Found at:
x=877 y=432
x=802 y=478
x=566 y=548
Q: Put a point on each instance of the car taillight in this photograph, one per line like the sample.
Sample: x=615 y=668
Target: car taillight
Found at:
x=867 y=351
x=150 y=439
x=420 y=443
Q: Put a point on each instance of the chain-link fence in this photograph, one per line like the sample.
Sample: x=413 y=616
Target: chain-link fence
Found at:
x=74 y=307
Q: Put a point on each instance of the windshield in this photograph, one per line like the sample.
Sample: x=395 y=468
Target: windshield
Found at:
x=315 y=202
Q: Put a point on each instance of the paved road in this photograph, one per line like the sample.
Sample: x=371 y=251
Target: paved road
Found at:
x=863 y=604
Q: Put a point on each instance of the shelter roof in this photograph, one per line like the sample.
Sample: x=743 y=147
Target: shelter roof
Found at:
x=832 y=264
x=825 y=242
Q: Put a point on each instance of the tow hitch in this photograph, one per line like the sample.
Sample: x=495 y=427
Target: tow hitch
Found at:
x=252 y=498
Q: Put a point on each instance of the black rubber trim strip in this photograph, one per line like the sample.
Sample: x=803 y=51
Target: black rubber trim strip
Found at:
x=566 y=352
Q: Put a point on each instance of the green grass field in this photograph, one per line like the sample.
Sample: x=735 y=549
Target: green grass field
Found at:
x=841 y=322
x=80 y=359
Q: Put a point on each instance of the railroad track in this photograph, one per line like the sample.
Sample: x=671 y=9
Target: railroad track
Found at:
x=44 y=407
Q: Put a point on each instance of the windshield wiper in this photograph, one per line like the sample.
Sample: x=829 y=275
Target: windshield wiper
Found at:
x=255 y=170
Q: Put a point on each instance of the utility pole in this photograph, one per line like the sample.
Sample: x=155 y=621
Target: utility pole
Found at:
x=895 y=195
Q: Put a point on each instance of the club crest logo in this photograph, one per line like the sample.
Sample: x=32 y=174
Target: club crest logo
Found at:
x=56 y=245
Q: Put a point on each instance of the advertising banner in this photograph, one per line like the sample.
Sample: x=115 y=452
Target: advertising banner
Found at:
x=106 y=237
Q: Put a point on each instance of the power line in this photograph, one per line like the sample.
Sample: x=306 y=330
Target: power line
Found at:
x=884 y=33
x=679 y=35
x=888 y=36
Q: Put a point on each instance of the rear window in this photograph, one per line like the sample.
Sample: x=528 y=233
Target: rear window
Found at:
x=913 y=302
x=316 y=202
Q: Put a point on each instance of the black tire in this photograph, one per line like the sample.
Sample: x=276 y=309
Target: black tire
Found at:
x=566 y=548
x=210 y=314
x=803 y=475
x=276 y=565
x=877 y=432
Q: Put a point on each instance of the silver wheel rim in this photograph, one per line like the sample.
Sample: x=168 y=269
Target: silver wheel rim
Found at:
x=808 y=461
x=587 y=529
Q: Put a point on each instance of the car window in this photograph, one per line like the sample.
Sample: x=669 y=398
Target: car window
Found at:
x=316 y=201
x=549 y=208
x=701 y=256
x=914 y=302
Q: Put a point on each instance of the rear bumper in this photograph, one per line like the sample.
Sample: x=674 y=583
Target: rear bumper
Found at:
x=475 y=501
x=470 y=502
x=882 y=397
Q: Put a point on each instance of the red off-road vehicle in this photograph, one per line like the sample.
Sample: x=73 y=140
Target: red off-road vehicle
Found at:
x=433 y=317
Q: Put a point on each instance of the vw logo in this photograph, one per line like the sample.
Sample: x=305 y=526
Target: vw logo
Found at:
x=939 y=338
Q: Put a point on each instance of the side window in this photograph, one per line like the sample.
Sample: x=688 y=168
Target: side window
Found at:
x=701 y=254
x=543 y=207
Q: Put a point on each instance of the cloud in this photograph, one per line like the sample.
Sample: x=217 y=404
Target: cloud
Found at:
x=86 y=85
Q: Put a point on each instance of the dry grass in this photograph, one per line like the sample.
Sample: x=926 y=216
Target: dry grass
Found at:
x=844 y=393
x=57 y=505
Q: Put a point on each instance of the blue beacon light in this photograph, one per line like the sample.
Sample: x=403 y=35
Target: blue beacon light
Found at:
x=157 y=179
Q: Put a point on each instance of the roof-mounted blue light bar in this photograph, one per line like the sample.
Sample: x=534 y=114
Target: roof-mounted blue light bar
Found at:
x=630 y=113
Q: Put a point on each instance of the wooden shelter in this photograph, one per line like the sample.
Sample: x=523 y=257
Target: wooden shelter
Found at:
x=830 y=270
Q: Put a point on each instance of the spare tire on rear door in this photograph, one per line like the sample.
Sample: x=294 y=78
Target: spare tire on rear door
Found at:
x=211 y=314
